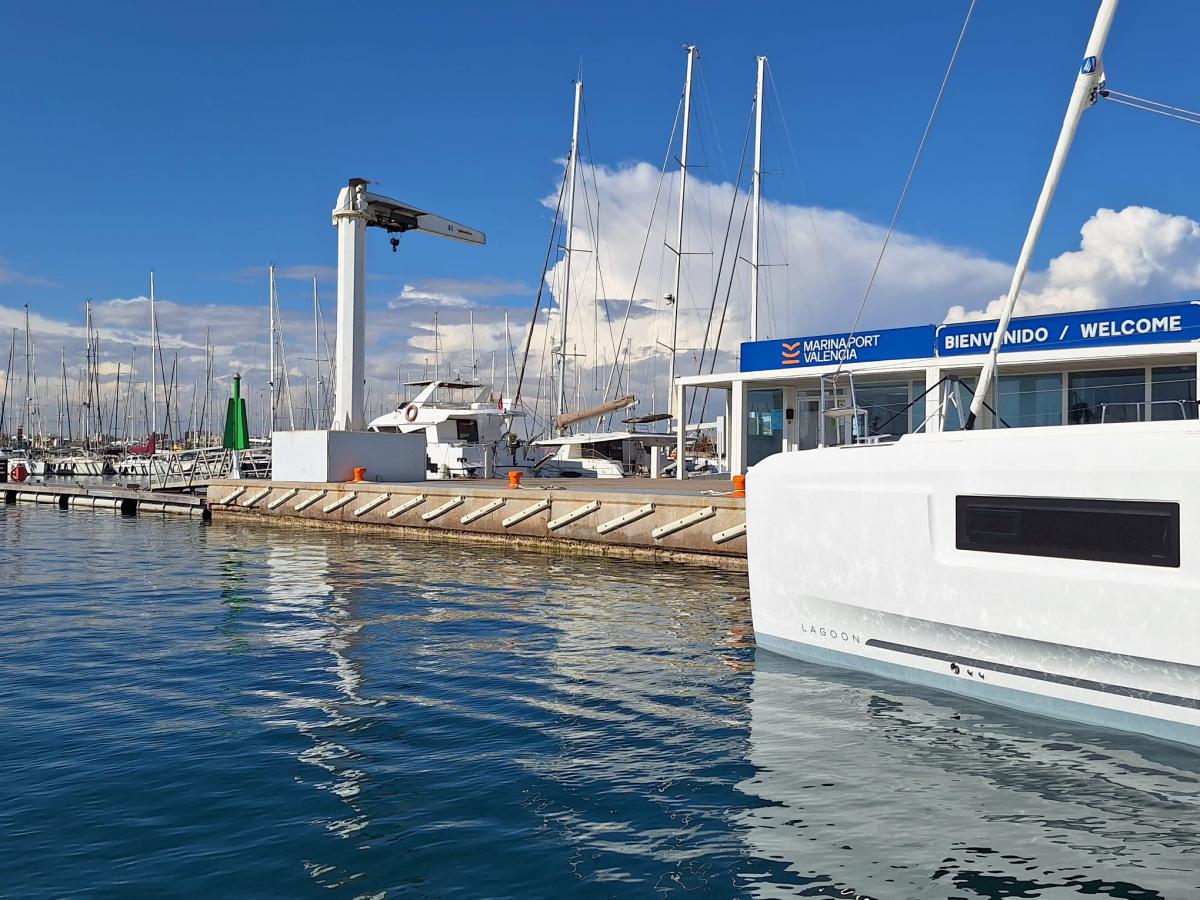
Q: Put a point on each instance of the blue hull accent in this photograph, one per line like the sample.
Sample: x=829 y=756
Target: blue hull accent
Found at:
x=1024 y=701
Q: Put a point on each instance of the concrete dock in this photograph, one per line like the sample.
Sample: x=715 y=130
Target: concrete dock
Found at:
x=684 y=521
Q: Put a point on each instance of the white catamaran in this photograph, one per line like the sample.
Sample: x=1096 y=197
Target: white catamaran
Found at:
x=1052 y=569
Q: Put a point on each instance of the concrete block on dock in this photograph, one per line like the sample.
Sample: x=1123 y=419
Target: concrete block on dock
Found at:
x=322 y=457
x=283 y=498
x=371 y=504
x=527 y=512
x=687 y=521
x=440 y=511
x=411 y=503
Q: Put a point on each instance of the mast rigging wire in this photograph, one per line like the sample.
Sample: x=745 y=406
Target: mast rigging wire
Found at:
x=541 y=289
x=937 y=105
x=712 y=364
x=721 y=266
x=787 y=134
x=1153 y=106
x=662 y=173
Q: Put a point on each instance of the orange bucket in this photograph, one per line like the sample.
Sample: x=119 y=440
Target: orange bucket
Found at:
x=739 y=486
x=360 y=474
x=514 y=480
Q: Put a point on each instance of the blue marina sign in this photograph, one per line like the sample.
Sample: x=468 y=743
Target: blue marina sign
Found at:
x=1167 y=322
x=830 y=349
x=1161 y=323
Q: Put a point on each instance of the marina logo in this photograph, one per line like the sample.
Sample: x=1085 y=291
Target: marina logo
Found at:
x=791 y=353
x=836 y=348
x=1089 y=66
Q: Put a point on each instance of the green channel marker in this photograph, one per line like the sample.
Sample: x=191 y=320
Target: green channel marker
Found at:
x=237 y=434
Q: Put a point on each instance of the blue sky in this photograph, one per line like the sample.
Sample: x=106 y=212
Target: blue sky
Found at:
x=205 y=140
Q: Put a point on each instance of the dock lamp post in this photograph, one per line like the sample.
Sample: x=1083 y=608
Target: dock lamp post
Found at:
x=356 y=210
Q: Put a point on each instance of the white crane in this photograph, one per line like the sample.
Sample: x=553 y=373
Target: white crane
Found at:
x=357 y=209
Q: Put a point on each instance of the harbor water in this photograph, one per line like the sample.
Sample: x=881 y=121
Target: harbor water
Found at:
x=245 y=709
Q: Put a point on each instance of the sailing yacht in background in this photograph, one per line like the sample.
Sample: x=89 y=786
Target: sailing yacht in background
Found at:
x=1053 y=569
x=470 y=434
x=601 y=454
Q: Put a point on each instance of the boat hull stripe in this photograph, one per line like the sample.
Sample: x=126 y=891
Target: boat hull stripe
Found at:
x=1054 y=678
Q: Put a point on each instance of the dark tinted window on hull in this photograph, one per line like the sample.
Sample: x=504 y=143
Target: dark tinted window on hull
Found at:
x=1137 y=532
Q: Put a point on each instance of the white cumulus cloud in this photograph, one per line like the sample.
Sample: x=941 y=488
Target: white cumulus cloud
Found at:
x=1125 y=258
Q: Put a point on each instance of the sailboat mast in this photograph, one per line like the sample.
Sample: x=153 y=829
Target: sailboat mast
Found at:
x=95 y=389
x=153 y=361
x=12 y=351
x=757 y=201
x=316 y=401
x=692 y=52
x=114 y=420
x=87 y=378
x=28 y=408
x=507 y=354
x=206 y=414
x=127 y=423
x=474 y=359
x=1084 y=95
x=437 y=349
x=271 y=344
x=62 y=395
x=564 y=307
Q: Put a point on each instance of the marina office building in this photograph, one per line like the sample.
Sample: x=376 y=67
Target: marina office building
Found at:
x=1112 y=365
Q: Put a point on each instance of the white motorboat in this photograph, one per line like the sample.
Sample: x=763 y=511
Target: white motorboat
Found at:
x=468 y=433
x=1051 y=569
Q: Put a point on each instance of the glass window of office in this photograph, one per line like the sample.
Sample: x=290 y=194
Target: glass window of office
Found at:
x=916 y=412
x=886 y=406
x=765 y=424
x=1024 y=401
x=1173 y=393
x=1117 y=395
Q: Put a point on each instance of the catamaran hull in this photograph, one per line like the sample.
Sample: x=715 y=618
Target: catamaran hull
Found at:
x=857 y=558
x=1108 y=690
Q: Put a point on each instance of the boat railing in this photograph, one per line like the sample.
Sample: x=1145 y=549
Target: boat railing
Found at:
x=949 y=399
x=1145 y=410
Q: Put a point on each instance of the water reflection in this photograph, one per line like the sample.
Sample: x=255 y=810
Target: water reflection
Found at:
x=644 y=698
x=897 y=793
x=258 y=711
x=294 y=614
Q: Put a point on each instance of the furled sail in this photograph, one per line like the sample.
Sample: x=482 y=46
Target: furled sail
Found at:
x=566 y=420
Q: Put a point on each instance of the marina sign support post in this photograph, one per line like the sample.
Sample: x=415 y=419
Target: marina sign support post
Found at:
x=357 y=209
